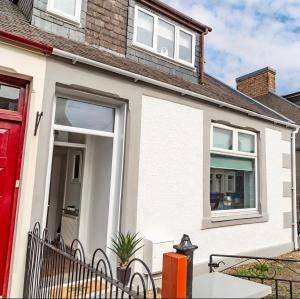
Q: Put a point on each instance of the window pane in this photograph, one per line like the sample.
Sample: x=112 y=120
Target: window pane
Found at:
x=84 y=115
x=246 y=143
x=9 y=97
x=185 y=46
x=232 y=188
x=66 y=6
x=222 y=138
x=145 y=25
x=166 y=38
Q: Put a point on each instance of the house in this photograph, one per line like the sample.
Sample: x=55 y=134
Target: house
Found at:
x=261 y=85
x=109 y=122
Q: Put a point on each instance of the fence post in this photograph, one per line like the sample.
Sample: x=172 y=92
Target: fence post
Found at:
x=187 y=248
x=174 y=275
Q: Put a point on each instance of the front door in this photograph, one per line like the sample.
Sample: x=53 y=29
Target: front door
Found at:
x=9 y=140
x=13 y=103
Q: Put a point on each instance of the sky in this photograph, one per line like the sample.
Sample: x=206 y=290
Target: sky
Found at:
x=248 y=35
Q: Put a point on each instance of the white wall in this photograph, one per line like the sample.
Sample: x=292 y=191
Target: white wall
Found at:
x=170 y=191
x=25 y=64
x=96 y=193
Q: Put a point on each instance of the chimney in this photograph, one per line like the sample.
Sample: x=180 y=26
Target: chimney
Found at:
x=257 y=83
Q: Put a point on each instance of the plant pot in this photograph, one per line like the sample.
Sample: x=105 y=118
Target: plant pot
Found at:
x=121 y=275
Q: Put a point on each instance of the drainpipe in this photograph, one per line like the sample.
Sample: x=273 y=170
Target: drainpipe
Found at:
x=294 y=191
x=201 y=65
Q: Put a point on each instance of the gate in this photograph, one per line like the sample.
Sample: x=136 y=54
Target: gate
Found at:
x=283 y=275
x=52 y=271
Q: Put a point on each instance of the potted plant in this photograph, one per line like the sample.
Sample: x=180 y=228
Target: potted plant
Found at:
x=125 y=246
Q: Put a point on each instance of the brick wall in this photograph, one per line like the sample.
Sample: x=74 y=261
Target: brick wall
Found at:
x=106 y=24
x=156 y=61
x=257 y=83
x=54 y=24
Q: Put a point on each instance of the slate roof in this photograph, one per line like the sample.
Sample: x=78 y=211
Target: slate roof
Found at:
x=281 y=105
x=13 y=21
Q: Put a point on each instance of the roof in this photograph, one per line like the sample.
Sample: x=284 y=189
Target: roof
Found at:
x=293 y=97
x=282 y=105
x=14 y=22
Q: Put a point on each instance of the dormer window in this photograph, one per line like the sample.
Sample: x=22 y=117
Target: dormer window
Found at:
x=164 y=38
x=67 y=9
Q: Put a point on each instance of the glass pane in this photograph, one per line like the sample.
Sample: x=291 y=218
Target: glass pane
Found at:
x=84 y=115
x=166 y=39
x=227 y=162
x=246 y=143
x=185 y=46
x=232 y=189
x=76 y=167
x=63 y=136
x=65 y=6
x=145 y=25
x=9 y=97
x=222 y=138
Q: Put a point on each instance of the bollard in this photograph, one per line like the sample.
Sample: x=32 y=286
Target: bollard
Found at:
x=174 y=275
x=187 y=248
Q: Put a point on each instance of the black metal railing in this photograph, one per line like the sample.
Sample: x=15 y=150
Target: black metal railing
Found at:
x=54 y=271
x=283 y=275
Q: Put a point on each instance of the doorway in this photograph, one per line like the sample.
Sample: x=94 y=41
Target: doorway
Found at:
x=86 y=172
x=13 y=106
x=65 y=193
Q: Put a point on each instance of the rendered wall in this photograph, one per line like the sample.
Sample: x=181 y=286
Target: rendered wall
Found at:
x=28 y=65
x=172 y=170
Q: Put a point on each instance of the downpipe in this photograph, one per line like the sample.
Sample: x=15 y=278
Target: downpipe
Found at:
x=294 y=190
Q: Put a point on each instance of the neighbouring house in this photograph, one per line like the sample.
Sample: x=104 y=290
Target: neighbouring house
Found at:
x=108 y=122
x=261 y=85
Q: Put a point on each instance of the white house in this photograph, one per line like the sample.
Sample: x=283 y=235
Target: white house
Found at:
x=134 y=136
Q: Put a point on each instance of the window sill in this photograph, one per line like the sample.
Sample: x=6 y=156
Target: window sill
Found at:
x=164 y=58
x=234 y=219
x=72 y=21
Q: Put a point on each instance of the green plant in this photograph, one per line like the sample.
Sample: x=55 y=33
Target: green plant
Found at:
x=258 y=270
x=125 y=246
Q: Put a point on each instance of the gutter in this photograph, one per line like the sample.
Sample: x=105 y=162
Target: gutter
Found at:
x=294 y=191
x=22 y=40
x=184 y=92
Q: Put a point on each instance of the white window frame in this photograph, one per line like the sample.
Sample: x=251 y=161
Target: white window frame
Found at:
x=236 y=153
x=155 y=30
x=74 y=19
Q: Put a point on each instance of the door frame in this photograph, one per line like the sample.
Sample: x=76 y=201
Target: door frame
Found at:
x=118 y=156
x=19 y=116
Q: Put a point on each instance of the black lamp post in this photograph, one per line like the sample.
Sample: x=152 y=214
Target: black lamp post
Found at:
x=187 y=248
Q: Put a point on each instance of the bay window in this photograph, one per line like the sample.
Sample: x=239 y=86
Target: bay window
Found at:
x=233 y=164
x=164 y=38
x=68 y=9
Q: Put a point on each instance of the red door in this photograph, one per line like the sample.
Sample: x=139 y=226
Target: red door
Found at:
x=13 y=107
x=9 y=140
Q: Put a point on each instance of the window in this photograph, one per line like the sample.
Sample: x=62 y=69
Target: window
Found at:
x=9 y=97
x=84 y=115
x=233 y=163
x=77 y=161
x=69 y=9
x=166 y=39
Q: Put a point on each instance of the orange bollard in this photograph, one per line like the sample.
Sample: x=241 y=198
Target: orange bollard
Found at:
x=174 y=275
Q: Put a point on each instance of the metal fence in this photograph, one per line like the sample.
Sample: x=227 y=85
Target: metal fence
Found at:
x=283 y=275
x=54 y=271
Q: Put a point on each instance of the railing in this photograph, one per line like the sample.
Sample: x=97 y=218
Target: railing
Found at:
x=52 y=271
x=283 y=275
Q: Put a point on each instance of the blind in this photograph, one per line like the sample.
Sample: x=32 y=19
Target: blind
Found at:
x=234 y=163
